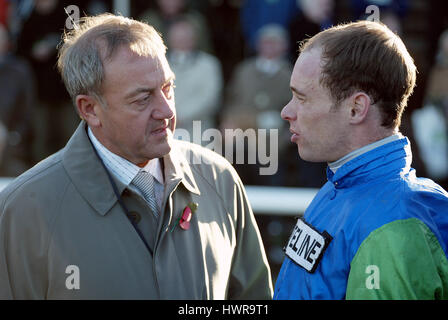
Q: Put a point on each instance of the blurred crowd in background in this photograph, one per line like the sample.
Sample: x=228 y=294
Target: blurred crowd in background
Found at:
x=233 y=60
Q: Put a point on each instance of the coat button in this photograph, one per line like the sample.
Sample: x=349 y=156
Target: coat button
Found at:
x=135 y=216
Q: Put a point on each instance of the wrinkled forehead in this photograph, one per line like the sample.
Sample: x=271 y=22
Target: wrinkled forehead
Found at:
x=126 y=63
x=307 y=69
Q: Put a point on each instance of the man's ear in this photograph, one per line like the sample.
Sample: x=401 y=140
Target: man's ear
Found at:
x=360 y=106
x=87 y=108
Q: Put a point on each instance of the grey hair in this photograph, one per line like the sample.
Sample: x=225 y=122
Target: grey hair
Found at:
x=94 y=41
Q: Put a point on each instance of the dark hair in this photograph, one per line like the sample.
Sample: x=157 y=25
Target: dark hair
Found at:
x=369 y=57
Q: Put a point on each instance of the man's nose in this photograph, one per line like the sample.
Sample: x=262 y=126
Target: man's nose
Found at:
x=287 y=113
x=165 y=108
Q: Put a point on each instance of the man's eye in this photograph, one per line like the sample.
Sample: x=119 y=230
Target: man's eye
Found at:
x=300 y=98
x=143 y=100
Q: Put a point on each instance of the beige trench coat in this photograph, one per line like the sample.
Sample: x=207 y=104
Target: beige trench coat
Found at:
x=63 y=234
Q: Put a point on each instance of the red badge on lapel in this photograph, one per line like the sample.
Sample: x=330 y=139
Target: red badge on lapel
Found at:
x=184 y=221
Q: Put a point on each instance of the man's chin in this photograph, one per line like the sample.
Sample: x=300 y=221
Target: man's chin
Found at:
x=165 y=148
x=310 y=158
x=306 y=156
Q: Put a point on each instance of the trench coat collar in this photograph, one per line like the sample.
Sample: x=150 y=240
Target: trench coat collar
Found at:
x=90 y=179
x=177 y=167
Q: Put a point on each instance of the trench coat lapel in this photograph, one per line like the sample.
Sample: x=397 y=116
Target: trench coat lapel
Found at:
x=91 y=181
x=178 y=168
x=86 y=172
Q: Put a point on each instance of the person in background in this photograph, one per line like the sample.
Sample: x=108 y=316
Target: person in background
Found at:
x=54 y=119
x=255 y=14
x=313 y=17
x=17 y=107
x=256 y=93
x=120 y=212
x=374 y=227
x=430 y=123
x=390 y=12
x=5 y=8
x=198 y=81
x=169 y=11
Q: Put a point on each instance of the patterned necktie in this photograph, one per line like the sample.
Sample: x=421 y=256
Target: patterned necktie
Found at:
x=144 y=181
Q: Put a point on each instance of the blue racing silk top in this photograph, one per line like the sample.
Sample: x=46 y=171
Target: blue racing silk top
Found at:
x=373 y=231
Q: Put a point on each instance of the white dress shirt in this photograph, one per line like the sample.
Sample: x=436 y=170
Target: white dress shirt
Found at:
x=125 y=171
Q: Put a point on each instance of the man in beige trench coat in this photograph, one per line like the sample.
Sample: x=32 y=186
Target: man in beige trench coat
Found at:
x=80 y=225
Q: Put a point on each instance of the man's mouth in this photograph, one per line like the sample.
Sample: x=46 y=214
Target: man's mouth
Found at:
x=160 y=130
x=294 y=135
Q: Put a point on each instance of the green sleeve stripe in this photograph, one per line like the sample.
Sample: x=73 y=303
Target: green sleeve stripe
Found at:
x=400 y=260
